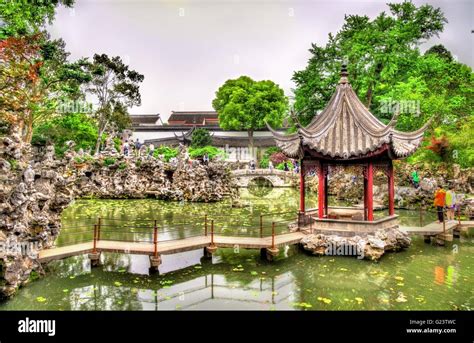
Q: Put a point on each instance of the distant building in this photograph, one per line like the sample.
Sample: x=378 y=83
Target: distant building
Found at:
x=150 y=129
x=206 y=119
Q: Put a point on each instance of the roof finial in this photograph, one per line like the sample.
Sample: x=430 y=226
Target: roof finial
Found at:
x=344 y=72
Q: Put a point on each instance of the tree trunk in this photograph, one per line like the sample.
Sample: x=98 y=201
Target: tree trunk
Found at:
x=250 y=133
x=28 y=129
x=368 y=96
x=99 y=140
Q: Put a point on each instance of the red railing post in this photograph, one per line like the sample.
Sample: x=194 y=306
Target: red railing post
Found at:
x=205 y=225
x=261 y=226
x=98 y=228
x=273 y=235
x=94 y=249
x=155 y=240
x=421 y=216
x=212 y=232
x=459 y=215
x=444 y=221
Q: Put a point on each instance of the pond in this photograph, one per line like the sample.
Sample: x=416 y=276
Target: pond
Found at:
x=424 y=277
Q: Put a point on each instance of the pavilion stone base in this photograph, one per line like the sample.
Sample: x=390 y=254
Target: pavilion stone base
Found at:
x=348 y=228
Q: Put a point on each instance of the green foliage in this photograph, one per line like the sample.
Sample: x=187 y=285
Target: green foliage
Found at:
x=108 y=161
x=27 y=17
x=117 y=143
x=211 y=151
x=167 y=152
x=460 y=148
x=83 y=159
x=266 y=156
x=379 y=52
x=75 y=126
x=200 y=138
x=281 y=166
x=13 y=163
x=122 y=166
x=245 y=104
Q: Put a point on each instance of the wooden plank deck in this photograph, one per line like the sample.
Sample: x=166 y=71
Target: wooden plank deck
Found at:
x=170 y=247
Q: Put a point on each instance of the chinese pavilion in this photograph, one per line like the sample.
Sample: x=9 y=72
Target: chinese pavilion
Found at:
x=347 y=135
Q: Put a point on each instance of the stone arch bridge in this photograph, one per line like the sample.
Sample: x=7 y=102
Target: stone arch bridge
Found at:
x=278 y=178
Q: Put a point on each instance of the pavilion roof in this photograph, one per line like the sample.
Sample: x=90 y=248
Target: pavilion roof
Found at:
x=346 y=129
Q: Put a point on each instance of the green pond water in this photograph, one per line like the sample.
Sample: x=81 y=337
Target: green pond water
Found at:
x=423 y=277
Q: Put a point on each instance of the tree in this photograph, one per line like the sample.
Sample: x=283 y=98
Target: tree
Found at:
x=200 y=138
x=27 y=17
x=245 y=104
x=35 y=76
x=116 y=88
x=379 y=54
x=78 y=127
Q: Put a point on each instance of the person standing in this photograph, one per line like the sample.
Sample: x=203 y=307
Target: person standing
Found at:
x=439 y=202
x=151 y=150
x=125 y=149
x=285 y=166
x=296 y=168
x=450 y=203
x=270 y=165
x=138 y=145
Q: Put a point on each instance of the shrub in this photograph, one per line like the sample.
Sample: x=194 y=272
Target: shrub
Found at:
x=266 y=156
x=211 y=151
x=108 y=161
x=281 y=166
x=75 y=126
x=167 y=152
x=278 y=158
x=201 y=138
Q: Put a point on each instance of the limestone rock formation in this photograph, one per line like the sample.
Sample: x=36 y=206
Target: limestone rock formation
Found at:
x=33 y=195
x=371 y=247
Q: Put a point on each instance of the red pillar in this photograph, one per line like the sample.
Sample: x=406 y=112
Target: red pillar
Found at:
x=321 y=191
x=326 y=192
x=365 y=193
x=370 y=184
x=302 y=188
x=391 y=190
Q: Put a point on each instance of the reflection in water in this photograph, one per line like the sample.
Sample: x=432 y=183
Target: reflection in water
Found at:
x=260 y=187
x=240 y=279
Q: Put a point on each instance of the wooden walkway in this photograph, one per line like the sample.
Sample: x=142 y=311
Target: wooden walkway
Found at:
x=170 y=247
x=436 y=228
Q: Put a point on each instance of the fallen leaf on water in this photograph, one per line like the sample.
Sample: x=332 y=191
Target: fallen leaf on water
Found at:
x=40 y=299
x=324 y=300
x=359 y=300
x=399 y=278
x=118 y=284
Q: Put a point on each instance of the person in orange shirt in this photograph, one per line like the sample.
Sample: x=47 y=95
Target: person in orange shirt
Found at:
x=439 y=202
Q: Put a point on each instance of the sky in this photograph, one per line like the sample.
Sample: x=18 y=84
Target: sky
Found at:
x=187 y=49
